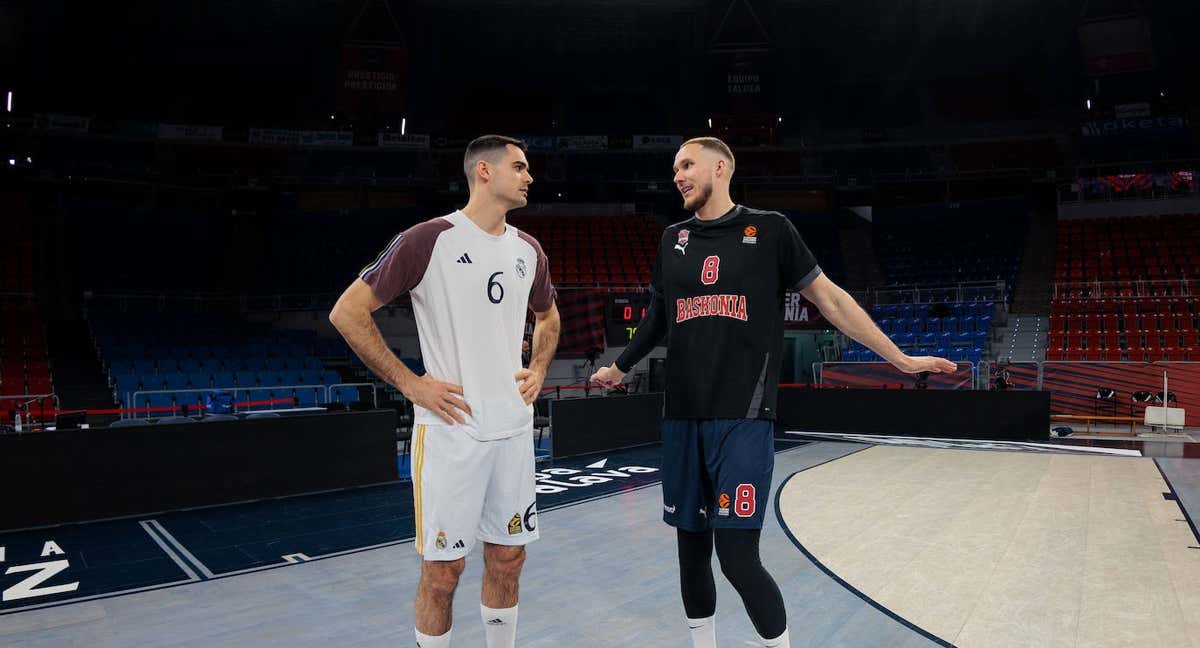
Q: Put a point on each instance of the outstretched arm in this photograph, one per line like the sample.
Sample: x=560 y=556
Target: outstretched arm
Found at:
x=648 y=334
x=837 y=306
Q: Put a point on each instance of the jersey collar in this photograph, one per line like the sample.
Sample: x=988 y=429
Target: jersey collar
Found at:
x=725 y=218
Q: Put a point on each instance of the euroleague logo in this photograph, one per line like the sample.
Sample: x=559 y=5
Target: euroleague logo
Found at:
x=750 y=235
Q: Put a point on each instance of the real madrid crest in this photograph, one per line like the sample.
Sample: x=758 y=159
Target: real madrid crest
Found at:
x=440 y=543
x=521 y=268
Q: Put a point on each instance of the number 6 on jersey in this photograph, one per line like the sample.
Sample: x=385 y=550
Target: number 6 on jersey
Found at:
x=492 y=285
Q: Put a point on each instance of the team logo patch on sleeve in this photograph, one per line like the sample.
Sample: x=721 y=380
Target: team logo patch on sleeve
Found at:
x=682 y=241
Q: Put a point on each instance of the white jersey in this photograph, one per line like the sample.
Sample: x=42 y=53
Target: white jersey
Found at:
x=470 y=293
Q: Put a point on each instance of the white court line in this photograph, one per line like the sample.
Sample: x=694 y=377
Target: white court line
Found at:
x=167 y=550
x=964 y=443
x=181 y=549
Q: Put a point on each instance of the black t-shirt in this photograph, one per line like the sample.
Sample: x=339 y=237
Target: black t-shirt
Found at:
x=717 y=293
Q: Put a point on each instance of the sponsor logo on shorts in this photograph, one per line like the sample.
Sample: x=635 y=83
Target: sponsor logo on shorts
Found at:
x=723 y=505
x=669 y=509
x=440 y=543
x=459 y=545
x=514 y=525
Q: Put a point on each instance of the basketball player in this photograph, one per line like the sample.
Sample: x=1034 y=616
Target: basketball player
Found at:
x=471 y=277
x=717 y=288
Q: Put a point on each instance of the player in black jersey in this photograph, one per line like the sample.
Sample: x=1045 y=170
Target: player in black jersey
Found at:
x=718 y=288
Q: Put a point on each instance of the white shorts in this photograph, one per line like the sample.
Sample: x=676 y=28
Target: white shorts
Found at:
x=466 y=490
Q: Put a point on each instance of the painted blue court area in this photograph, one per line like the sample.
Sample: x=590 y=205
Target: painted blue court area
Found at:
x=59 y=565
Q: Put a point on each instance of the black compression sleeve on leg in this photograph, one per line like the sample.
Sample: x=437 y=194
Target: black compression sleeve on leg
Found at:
x=695 y=573
x=737 y=549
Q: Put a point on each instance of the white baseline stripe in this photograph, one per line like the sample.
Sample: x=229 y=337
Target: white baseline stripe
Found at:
x=181 y=549
x=150 y=531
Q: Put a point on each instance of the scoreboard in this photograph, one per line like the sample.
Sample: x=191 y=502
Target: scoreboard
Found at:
x=623 y=312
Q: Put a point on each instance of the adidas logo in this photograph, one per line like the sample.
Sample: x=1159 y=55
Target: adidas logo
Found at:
x=459 y=545
x=465 y=258
x=495 y=622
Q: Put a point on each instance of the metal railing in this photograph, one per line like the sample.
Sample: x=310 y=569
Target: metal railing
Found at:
x=967 y=291
x=28 y=399
x=1123 y=288
x=131 y=398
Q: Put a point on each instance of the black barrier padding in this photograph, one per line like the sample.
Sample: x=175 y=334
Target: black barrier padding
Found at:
x=994 y=415
x=74 y=475
x=583 y=425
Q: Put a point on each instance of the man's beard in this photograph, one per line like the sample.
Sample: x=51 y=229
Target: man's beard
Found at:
x=701 y=199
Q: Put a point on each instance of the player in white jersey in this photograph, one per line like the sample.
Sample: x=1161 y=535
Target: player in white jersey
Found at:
x=471 y=277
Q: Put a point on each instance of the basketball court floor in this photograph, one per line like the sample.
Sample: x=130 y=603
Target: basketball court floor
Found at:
x=887 y=543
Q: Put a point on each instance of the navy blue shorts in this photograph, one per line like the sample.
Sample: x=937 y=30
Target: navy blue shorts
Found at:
x=717 y=473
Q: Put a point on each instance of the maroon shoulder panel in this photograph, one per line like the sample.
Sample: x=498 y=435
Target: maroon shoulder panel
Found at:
x=541 y=292
x=402 y=263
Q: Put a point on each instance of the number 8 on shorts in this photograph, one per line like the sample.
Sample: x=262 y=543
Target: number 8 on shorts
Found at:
x=743 y=501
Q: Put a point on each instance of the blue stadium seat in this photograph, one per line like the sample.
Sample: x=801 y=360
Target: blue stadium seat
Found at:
x=245 y=378
x=223 y=379
x=308 y=397
x=176 y=380
x=928 y=339
x=332 y=378
x=345 y=394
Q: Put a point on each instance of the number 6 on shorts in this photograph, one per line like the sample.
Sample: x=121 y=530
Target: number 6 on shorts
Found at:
x=743 y=501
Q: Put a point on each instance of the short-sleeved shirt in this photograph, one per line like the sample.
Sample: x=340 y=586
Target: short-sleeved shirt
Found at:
x=470 y=293
x=722 y=285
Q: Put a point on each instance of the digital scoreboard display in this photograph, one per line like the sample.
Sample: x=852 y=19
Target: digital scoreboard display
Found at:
x=622 y=315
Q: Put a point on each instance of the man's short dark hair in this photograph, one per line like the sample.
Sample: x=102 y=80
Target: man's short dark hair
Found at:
x=715 y=145
x=486 y=147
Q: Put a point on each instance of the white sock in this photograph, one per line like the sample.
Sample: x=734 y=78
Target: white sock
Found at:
x=426 y=641
x=704 y=632
x=778 y=642
x=499 y=626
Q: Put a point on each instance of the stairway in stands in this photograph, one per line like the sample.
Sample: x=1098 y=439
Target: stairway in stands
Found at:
x=79 y=379
x=1024 y=337
x=1035 y=278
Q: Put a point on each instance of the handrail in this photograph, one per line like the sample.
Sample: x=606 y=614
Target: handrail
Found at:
x=131 y=398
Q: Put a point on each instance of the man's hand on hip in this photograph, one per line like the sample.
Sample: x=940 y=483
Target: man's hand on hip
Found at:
x=441 y=398
x=529 y=383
